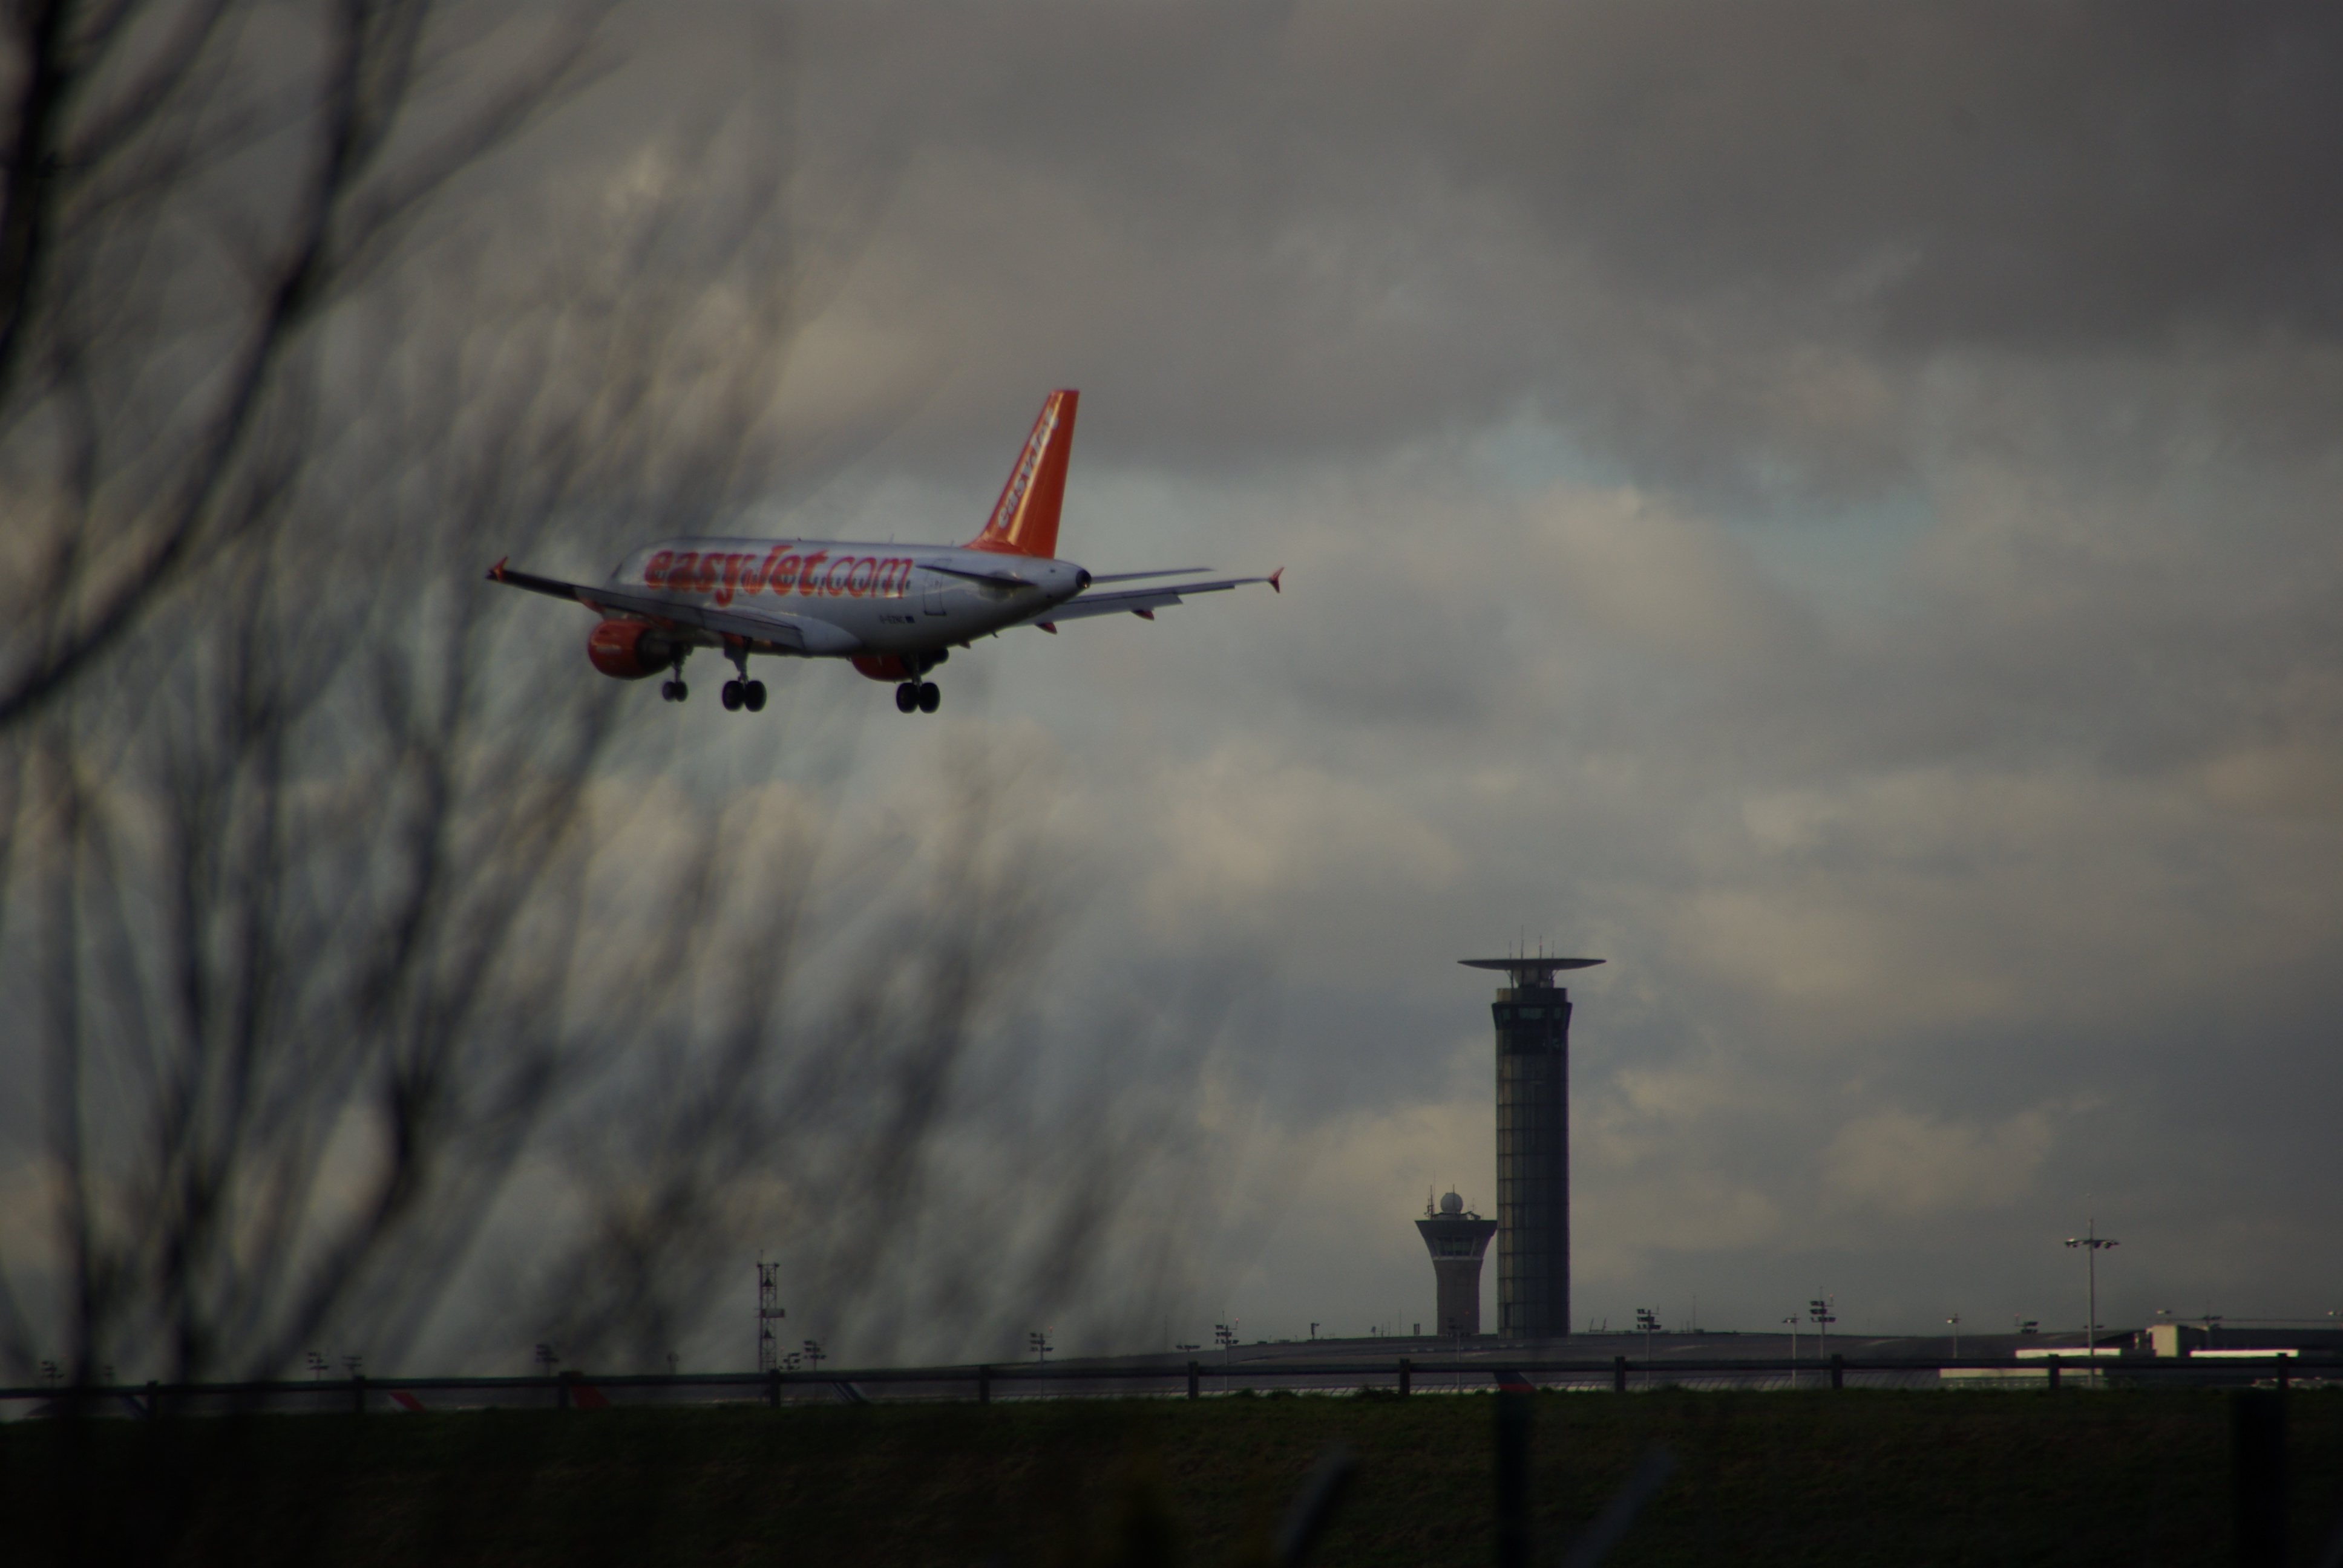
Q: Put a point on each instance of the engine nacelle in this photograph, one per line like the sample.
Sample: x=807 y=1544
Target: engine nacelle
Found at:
x=899 y=666
x=631 y=649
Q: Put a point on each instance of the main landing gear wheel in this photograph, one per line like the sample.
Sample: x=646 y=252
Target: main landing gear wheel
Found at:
x=929 y=697
x=907 y=696
x=675 y=691
x=743 y=692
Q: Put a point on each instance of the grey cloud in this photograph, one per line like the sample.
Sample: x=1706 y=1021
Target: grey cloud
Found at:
x=1724 y=239
x=1995 y=885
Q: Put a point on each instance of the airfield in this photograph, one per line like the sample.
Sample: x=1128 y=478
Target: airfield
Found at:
x=1859 y=1476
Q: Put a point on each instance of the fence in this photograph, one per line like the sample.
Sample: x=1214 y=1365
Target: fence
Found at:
x=1154 y=1377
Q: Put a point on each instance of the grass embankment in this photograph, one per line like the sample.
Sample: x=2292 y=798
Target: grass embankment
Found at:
x=1856 y=1477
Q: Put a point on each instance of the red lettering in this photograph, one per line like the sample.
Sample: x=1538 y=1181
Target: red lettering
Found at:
x=731 y=580
x=753 y=579
x=783 y=576
x=890 y=576
x=806 y=569
x=654 y=569
x=679 y=576
x=829 y=584
x=865 y=573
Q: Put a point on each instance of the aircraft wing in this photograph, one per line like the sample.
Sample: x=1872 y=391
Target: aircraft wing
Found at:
x=795 y=633
x=1142 y=602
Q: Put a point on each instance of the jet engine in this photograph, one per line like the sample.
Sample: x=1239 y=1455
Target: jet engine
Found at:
x=631 y=649
x=899 y=666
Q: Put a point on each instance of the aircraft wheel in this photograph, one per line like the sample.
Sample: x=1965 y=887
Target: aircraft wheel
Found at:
x=929 y=697
x=907 y=696
x=675 y=691
x=753 y=696
x=731 y=696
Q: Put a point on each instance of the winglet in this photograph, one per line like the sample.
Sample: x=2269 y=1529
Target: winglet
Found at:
x=1273 y=583
x=497 y=572
x=1025 y=520
x=1049 y=626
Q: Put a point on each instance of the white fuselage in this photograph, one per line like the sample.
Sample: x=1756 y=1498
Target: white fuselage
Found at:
x=855 y=598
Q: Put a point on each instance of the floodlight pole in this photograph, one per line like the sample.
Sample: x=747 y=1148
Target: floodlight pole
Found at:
x=1793 y=1321
x=2092 y=1243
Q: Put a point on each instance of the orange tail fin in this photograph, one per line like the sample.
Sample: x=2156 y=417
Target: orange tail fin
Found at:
x=1025 y=519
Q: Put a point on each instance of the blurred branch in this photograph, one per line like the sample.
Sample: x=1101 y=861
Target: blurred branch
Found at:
x=116 y=547
x=388 y=962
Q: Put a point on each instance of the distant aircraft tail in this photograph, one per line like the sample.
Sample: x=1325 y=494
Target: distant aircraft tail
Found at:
x=1025 y=519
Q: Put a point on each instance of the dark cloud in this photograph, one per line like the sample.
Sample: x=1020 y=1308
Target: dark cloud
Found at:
x=1828 y=506
x=1726 y=240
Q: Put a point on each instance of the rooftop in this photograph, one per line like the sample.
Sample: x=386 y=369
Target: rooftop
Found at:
x=1531 y=971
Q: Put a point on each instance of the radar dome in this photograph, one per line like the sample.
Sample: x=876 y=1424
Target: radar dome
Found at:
x=1451 y=1204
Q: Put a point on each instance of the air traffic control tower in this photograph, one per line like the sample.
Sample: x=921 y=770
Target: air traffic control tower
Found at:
x=1533 y=1017
x=1457 y=1238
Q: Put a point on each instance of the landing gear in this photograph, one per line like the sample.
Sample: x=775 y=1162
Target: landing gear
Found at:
x=673 y=689
x=743 y=692
x=929 y=697
x=907 y=696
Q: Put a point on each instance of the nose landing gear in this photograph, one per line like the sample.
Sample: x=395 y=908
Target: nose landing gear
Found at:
x=916 y=696
x=673 y=689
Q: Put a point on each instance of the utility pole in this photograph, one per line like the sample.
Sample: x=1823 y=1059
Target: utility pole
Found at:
x=1793 y=1321
x=2092 y=1244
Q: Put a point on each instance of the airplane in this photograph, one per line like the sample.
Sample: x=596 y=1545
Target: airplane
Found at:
x=895 y=611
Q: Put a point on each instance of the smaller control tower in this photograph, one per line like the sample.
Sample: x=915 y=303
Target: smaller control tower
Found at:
x=1458 y=1239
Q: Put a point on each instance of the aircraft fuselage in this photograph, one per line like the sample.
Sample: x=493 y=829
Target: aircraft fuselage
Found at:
x=845 y=597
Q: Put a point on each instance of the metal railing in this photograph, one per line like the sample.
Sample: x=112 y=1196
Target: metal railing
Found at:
x=1154 y=1377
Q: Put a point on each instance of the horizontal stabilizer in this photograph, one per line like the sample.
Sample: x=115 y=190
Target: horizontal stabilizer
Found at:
x=1003 y=578
x=1166 y=572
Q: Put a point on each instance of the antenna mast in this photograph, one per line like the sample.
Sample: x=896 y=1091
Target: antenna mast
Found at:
x=768 y=1313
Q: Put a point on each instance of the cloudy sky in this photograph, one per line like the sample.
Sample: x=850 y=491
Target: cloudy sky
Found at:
x=1831 y=509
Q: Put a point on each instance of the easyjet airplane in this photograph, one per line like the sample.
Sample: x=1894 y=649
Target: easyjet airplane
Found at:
x=895 y=610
